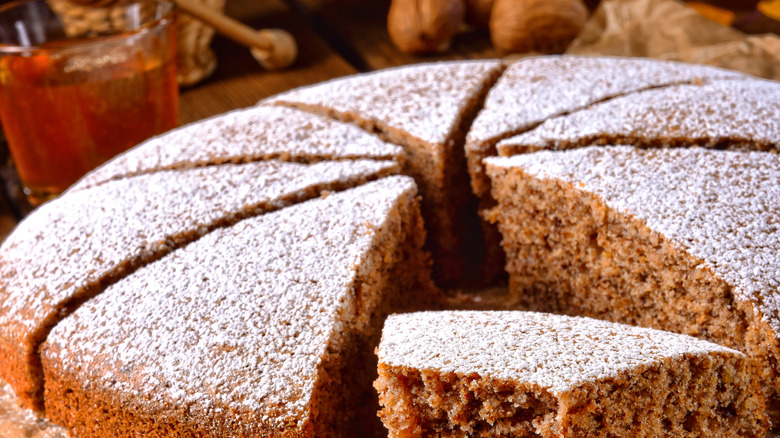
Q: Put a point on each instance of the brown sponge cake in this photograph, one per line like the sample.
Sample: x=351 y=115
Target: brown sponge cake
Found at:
x=723 y=114
x=685 y=240
x=217 y=340
x=462 y=374
x=68 y=250
x=427 y=109
x=249 y=134
x=167 y=237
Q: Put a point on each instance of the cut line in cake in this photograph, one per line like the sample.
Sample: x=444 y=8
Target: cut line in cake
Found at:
x=535 y=374
x=269 y=342
x=68 y=250
x=427 y=110
x=684 y=240
x=720 y=115
x=534 y=90
x=247 y=135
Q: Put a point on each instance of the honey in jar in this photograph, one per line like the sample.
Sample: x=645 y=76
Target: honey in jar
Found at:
x=69 y=104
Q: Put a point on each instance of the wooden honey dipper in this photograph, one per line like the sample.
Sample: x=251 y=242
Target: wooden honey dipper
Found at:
x=273 y=49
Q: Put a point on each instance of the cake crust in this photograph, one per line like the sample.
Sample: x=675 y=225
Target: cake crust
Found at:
x=533 y=90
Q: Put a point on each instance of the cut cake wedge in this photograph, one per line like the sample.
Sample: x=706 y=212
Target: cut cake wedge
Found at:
x=426 y=109
x=532 y=90
x=246 y=135
x=265 y=328
x=685 y=240
x=69 y=249
x=526 y=374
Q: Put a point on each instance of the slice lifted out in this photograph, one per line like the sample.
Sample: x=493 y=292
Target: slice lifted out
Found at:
x=541 y=375
x=246 y=135
x=426 y=109
x=69 y=249
x=685 y=240
x=264 y=328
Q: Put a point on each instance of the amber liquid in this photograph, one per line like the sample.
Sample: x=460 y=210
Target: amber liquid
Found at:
x=64 y=116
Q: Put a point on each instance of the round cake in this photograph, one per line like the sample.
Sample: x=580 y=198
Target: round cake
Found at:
x=231 y=277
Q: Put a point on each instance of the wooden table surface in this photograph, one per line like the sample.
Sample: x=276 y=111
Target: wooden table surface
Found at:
x=335 y=38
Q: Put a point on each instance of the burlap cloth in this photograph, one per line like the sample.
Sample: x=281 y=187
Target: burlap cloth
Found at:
x=667 y=29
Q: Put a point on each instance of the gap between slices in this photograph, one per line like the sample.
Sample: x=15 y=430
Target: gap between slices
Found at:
x=427 y=110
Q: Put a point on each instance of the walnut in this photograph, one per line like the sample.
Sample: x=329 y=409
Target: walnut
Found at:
x=546 y=26
x=424 y=26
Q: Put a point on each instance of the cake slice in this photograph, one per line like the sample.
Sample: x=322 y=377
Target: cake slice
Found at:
x=532 y=90
x=723 y=114
x=245 y=135
x=684 y=240
x=427 y=110
x=69 y=249
x=265 y=328
x=525 y=374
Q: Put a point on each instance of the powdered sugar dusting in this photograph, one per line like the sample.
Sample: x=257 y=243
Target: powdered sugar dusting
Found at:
x=555 y=352
x=425 y=100
x=532 y=90
x=720 y=206
x=250 y=134
x=744 y=112
x=74 y=242
x=216 y=326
